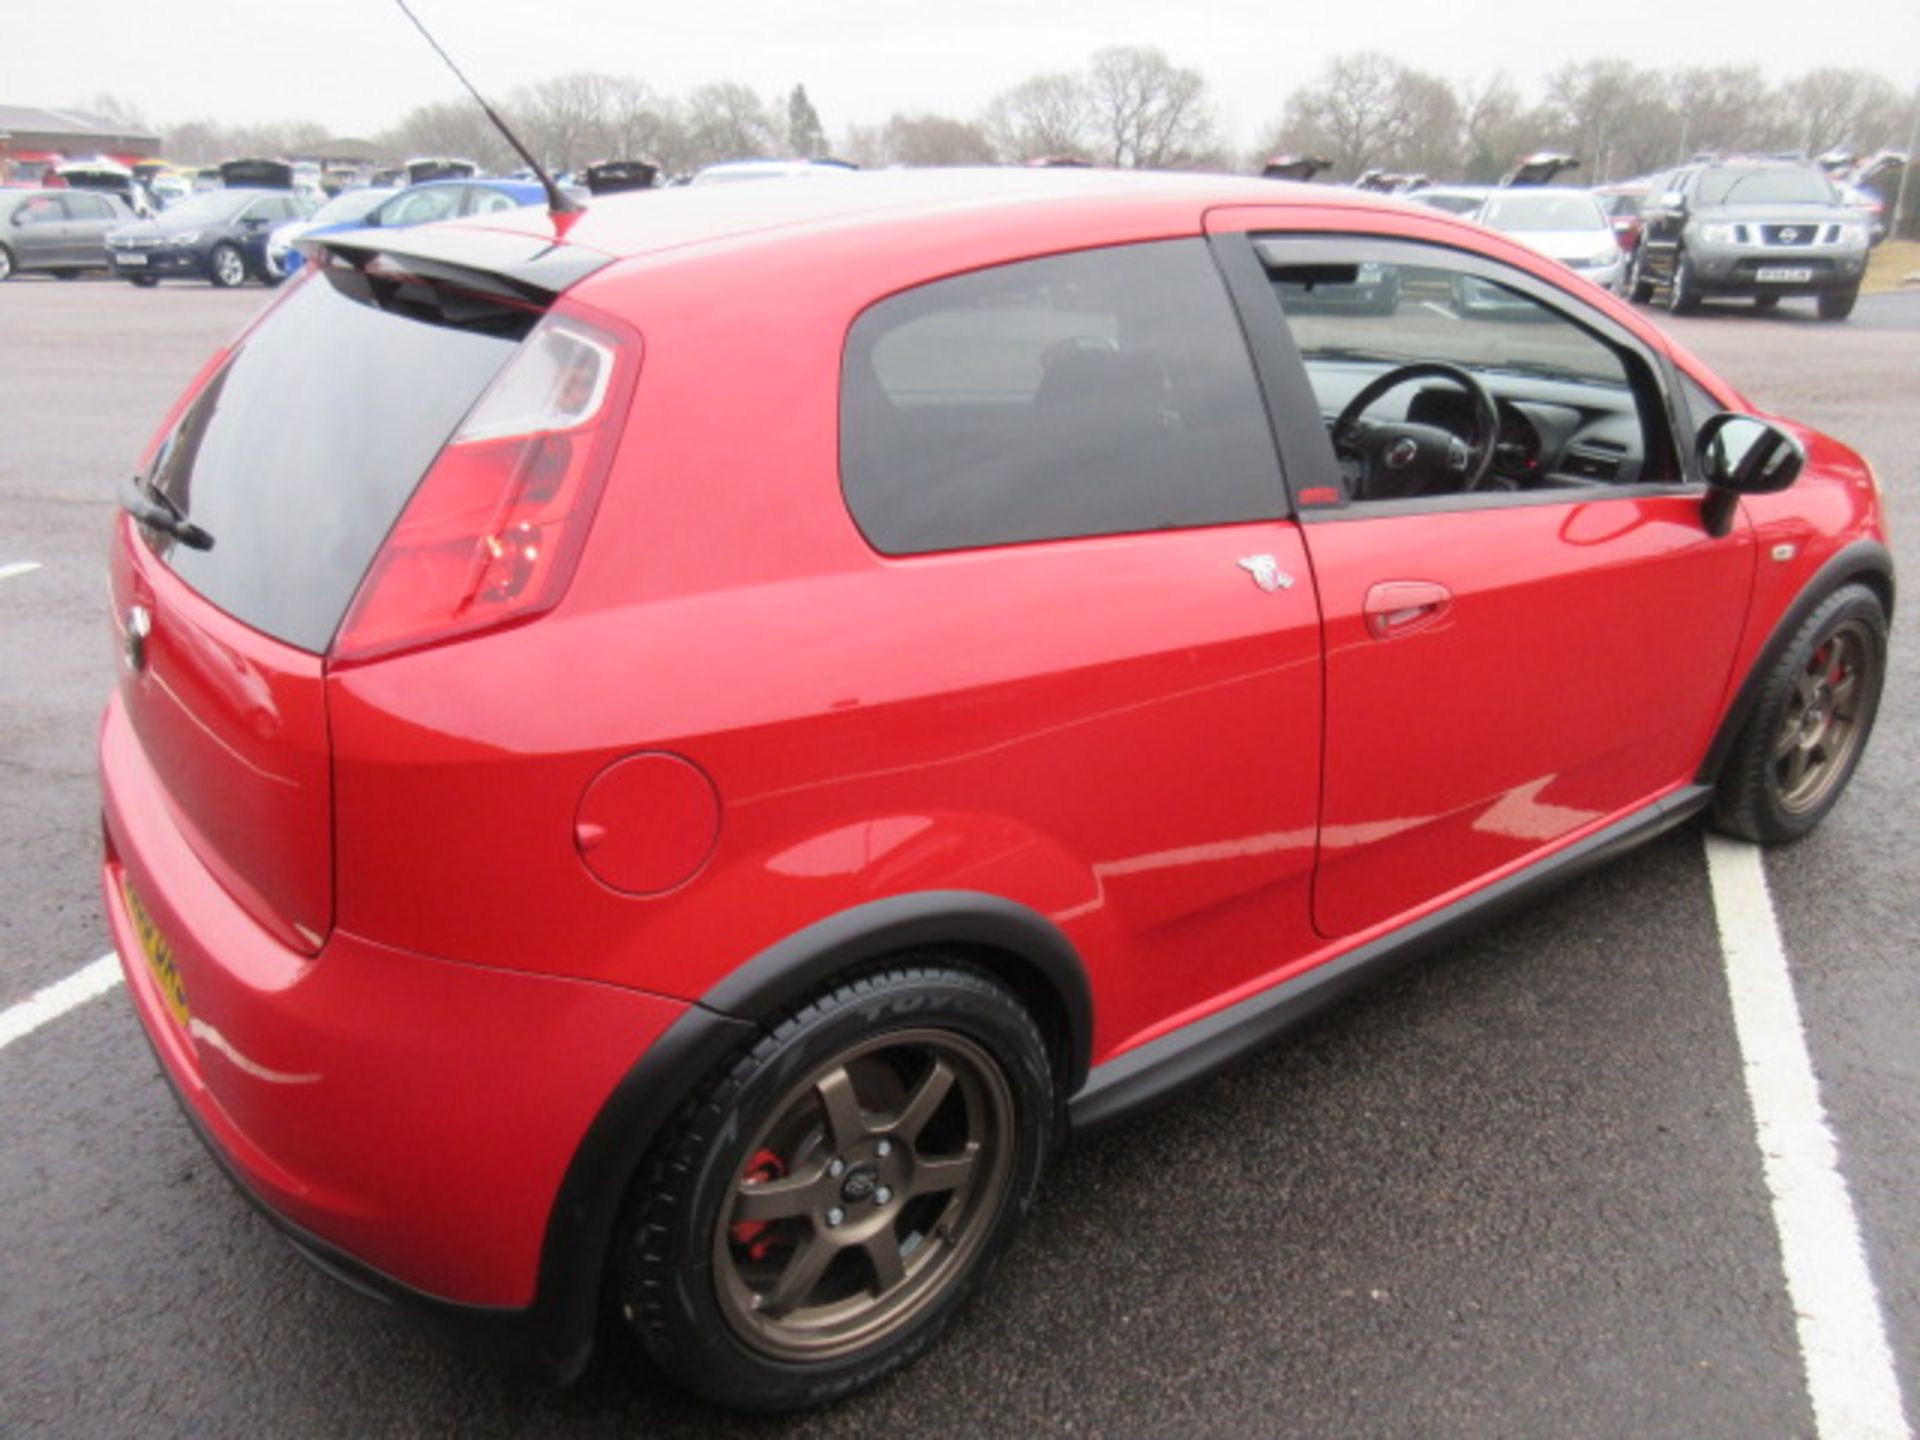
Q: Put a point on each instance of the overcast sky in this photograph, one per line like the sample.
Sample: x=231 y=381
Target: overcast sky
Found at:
x=357 y=66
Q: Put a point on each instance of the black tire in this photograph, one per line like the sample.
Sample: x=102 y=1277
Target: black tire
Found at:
x=1766 y=302
x=1807 y=732
x=271 y=275
x=700 y=1284
x=1639 y=288
x=1683 y=295
x=226 y=267
x=1838 y=304
x=145 y=282
x=6 y=263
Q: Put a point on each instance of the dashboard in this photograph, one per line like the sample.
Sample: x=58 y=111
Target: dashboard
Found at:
x=1553 y=433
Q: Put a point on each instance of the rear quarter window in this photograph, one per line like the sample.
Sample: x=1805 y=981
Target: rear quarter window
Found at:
x=1096 y=393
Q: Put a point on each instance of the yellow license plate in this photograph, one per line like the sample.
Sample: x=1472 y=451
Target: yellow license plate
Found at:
x=153 y=945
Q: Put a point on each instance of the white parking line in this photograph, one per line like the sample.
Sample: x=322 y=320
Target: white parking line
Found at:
x=1843 y=1339
x=58 y=998
x=19 y=567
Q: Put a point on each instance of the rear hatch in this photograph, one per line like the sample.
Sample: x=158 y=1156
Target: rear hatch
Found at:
x=258 y=512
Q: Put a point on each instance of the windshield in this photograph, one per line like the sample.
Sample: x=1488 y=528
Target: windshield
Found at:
x=353 y=205
x=1520 y=212
x=1763 y=187
x=209 y=205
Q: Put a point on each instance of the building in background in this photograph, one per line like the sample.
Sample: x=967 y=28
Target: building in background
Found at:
x=32 y=140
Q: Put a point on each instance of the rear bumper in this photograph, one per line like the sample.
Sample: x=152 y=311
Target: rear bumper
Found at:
x=409 y=1120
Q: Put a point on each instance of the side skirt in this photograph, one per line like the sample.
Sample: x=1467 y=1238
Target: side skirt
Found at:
x=1151 y=1073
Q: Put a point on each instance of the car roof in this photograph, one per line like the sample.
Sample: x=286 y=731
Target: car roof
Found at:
x=494 y=182
x=649 y=221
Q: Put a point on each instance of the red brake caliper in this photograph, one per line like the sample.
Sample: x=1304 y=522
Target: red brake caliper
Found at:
x=757 y=1237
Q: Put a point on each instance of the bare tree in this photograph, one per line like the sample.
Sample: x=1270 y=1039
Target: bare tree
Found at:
x=933 y=140
x=563 y=119
x=1496 y=128
x=1356 y=114
x=1430 y=118
x=1147 y=113
x=1042 y=115
x=455 y=127
x=638 y=124
x=1726 y=107
x=1846 y=109
x=206 y=142
x=123 y=113
x=726 y=122
x=1615 y=116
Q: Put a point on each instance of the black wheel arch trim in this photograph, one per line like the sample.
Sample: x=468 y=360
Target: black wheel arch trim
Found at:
x=999 y=931
x=1866 y=560
x=557 y=1332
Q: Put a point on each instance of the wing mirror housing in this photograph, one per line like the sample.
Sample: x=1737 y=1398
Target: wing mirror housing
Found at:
x=1740 y=455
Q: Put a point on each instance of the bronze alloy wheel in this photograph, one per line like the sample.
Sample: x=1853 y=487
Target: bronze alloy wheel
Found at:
x=1814 y=710
x=864 y=1196
x=1820 y=729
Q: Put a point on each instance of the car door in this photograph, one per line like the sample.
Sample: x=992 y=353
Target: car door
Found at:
x=39 y=232
x=1513 y=665
x=1068 y=459
x=89 y=219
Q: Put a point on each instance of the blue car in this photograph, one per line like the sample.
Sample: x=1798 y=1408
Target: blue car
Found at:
x=415 y=205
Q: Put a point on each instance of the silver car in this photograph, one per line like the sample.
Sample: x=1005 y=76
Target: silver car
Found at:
x=1564 y=224
x=62 y=231
x=1765 y=230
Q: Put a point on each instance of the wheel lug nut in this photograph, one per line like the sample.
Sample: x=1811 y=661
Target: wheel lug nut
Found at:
x=836 y=1167
x=883 y=1149
x=882 y=1196
x=835 y=1215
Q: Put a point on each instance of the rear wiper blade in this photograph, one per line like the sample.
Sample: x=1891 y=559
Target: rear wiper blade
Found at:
x=155 y=510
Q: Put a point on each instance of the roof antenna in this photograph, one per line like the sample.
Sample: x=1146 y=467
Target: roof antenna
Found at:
x=558 y=201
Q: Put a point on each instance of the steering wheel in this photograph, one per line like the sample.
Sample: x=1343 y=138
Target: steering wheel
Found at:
x=1402 y=458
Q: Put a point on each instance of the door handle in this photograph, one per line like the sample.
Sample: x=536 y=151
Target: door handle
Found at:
x=1400 y=607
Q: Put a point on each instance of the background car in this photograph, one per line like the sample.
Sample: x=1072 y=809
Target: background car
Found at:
x=1452 y=199
x=1759 y=229
x=62 y=231
x=452 y=199
x=730 y=172
x=345 y=211
x=1622 y=203
x=218 y=235
x=1561 y=223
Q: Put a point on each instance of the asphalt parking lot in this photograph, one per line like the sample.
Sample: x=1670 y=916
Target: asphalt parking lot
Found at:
x=1515 y=1190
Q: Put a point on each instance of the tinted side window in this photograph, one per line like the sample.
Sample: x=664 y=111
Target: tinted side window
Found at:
x=1088 y=394
x=88 y=207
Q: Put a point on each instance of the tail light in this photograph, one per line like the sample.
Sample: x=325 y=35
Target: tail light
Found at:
x=492 y=534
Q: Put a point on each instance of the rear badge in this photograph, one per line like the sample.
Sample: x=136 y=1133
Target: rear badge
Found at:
x=134 y=648
x=1266 y=572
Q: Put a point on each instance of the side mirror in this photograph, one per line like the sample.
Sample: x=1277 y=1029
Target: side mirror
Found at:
x=1673 y=200
x=1740 y=455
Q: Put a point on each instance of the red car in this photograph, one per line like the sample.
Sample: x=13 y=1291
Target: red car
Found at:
x=675 y=751
x=1622 y=204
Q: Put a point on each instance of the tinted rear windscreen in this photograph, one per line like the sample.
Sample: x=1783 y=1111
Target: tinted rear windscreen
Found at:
x=300 y=454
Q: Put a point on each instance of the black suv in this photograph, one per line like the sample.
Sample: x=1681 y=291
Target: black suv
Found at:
x=1757 y=228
